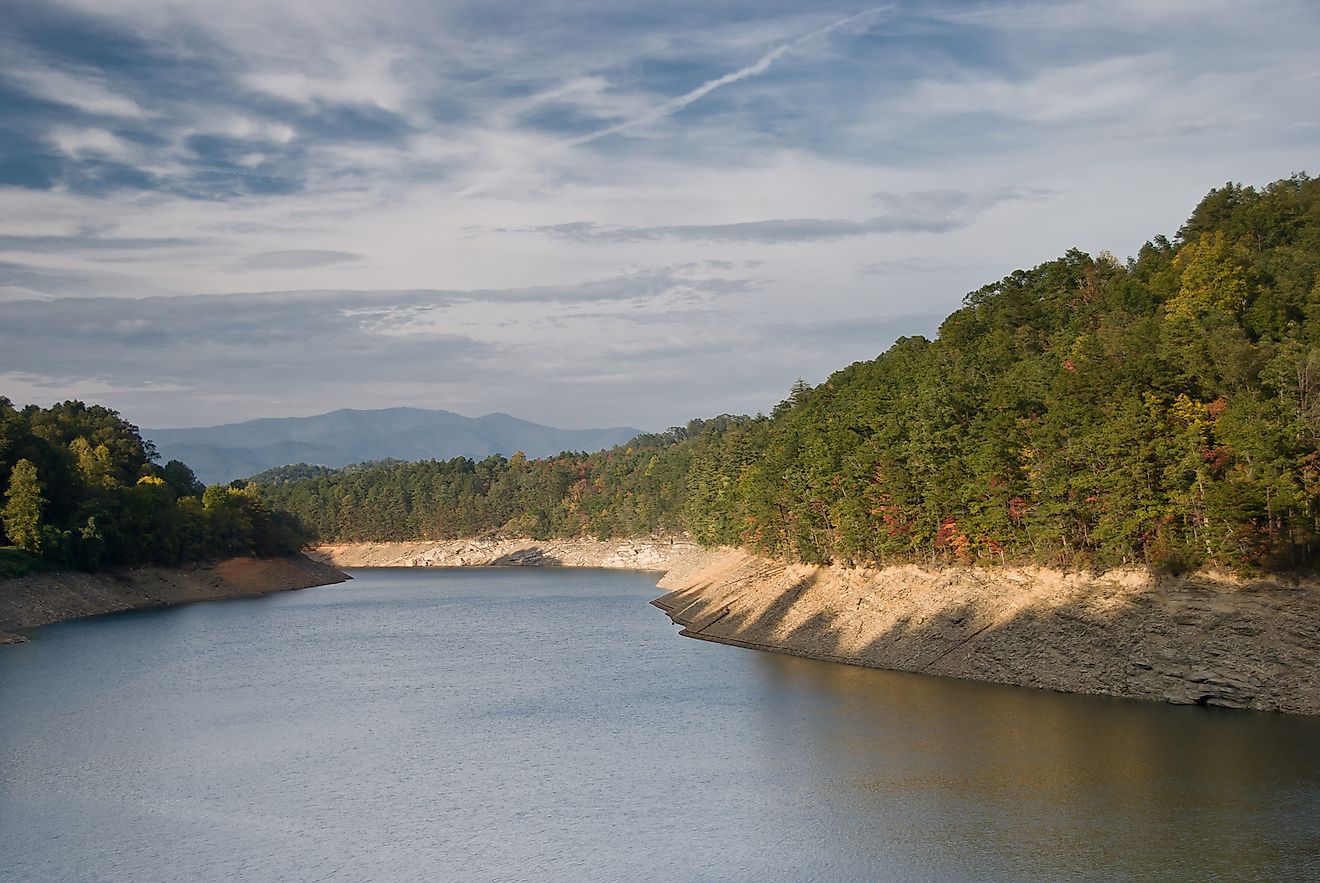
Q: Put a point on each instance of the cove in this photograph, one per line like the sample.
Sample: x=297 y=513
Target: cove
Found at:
x=532 y=724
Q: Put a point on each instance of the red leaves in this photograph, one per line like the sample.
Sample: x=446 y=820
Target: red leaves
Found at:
x=1217 y=458
x=950 y=537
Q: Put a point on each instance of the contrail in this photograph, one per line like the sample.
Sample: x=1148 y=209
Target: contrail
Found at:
x=674 y=105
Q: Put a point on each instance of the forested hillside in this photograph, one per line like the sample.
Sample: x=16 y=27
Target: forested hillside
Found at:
x=80 y=488
x=1086 y=412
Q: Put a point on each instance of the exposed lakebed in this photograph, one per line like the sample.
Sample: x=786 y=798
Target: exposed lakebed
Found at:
x=549 y=724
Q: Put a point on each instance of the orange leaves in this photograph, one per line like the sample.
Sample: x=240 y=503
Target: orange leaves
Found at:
x=951 y=538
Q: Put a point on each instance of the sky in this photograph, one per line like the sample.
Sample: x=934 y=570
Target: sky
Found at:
x=587 y=213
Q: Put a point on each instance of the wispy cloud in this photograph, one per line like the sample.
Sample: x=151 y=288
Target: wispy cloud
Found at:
x=760 y=66
x=85 y=93
x=369 y=344
x=668 y=168
x=933 y=211
x=593 y=88
x=906 y=266
x=62 y=244
x=20 y=281
x=296 y=259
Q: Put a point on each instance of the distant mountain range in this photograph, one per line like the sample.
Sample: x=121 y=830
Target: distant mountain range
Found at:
x=239 y=450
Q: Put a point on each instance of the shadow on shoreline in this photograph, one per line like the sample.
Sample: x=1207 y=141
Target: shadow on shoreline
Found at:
x=1185 y=641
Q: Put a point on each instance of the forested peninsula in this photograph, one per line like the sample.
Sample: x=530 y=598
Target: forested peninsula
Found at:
x=91 y=524
x=81 y=489
x=1091 y=413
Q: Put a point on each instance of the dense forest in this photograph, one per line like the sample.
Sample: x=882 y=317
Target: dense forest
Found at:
x=80 y=488
x=1087 y=412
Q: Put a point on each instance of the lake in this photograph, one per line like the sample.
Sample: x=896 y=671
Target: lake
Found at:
x=548 y=724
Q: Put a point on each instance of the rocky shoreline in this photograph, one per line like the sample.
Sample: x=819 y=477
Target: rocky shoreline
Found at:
x=44 y=598
x=1202 y=639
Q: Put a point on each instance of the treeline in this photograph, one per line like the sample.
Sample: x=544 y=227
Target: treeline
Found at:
x=1087 y=412
x=80 y=488
x=633 y=489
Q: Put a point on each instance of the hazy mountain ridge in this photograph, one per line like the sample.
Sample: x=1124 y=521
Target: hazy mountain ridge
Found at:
x=340 y=438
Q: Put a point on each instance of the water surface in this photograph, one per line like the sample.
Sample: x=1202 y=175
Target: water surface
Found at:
x=518 y=724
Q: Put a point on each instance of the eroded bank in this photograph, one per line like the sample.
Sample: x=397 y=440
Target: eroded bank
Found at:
x=44 y=598
x=1200 y=639
x=660 y=553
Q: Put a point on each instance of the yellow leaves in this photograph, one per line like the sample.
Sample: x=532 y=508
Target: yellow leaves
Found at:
x=1189 y=413
x=1210 y=278
x=95 y=465
x=150 y=480
x=1186 y=412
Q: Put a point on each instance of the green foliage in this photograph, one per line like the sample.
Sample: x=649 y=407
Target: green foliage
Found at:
x=81 y=489
x=181 y=479
x=1083 y=413
x=16 y=562
x=23 y=506
x=294 y=472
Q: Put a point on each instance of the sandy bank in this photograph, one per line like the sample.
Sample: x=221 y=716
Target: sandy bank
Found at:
x=1209 y=640
x=44 y=598
x=653 y=553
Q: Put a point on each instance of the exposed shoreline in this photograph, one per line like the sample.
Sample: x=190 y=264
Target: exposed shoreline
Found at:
x=1206 y=639
x=1201 y=639
x=660 y=553
x=43 y=598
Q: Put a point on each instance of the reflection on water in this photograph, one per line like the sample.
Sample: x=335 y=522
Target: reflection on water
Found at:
x=483 y=725
x=1119 y=787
